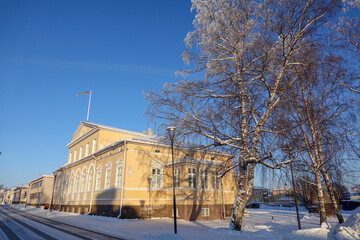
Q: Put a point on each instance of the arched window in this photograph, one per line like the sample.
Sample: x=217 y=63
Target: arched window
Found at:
x=107 y=175
x=91 y=180
x=98 y=178
x=83 y=181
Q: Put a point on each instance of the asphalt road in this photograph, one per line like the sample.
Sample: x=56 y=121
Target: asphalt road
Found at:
x=17 y=225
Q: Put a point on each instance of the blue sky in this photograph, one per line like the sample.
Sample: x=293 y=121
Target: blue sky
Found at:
x=52 y=50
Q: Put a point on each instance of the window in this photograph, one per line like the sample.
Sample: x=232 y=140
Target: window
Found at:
x=98 y=178
x=204 y=179
x=83 y=182
x=255 y=193
x=91 y=180
x=77 y=181
x=75 y=153
x=156 y=174
x=70 y=157
x=214 y=179
x=119 y=174
x=107 y=175
x=71 y=185
x=93 y=146
x=177 y=177
x=205 y=212
x=156 y=178
x=87 y=150
x=177 y=213
x=157 y=151
x=192 y=177
x=80 y=153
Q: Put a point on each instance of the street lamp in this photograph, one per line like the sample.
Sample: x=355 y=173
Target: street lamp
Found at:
x=171 y=131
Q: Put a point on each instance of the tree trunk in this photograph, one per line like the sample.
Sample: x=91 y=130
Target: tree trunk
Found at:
x=238 y=210
x=322 y=211
x=332 y=195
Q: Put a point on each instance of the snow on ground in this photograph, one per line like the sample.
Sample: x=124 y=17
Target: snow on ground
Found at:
x=350 y=229
x=264 y=223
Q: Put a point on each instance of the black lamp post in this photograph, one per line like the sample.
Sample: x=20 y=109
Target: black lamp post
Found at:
x=171 y=131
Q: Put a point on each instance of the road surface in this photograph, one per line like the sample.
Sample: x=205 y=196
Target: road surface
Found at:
x=17 y=225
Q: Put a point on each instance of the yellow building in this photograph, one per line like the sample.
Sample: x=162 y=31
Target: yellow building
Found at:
x=259 y=195
x=126 y=174
x=16 y=195
x=40 y=191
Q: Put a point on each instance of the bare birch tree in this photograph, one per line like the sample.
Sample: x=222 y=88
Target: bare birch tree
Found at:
x=244 y=50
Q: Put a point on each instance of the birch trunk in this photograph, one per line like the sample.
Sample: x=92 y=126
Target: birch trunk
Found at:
x=323 y=217
x=332 y=195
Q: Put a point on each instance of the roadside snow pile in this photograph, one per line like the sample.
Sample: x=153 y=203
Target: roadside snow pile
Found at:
x=350 y=229
x=312 y=233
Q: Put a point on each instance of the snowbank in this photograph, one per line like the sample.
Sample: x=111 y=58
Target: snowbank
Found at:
x=350 y=229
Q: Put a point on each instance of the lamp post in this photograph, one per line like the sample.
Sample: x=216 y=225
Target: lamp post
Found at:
x=171 y=131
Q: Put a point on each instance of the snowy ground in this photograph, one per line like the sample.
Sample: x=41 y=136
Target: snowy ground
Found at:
x=264 y=223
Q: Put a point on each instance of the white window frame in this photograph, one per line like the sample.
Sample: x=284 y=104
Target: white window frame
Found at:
x=157 y=172
x=83 y=181
x=192 y=178
x=93 y=149
x=75 y=153
x=70 y=157
x=205 y=212
x=107 y=175
x=119 y=174
x=81 y=152
x=87 y=150
x=204 y=178
x=215 y=179
x=91 y=180
x=98 y=178
x=177 y=177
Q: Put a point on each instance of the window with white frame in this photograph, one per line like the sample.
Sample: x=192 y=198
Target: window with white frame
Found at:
x=91 y=180
x=93 y=146
x=83 y=182
x=70 y=158
x=177 y=177
x=71 y=185
x=77 y=181
x=87 y=150
x=177 y=213
x=119 y=175
x=192 y=178
x=81 y=153
x=156 y=175
x=98 y=178
x=75 y=154
x=204 y=179
x=215 y=179
x=205 y=212
x=107 y=175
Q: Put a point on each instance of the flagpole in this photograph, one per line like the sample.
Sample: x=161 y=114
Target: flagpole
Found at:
x=87 y=119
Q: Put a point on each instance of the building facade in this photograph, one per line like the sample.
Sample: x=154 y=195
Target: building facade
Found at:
x=40 y=191
x=259 y=195
x=125 y=174
x=16 y=195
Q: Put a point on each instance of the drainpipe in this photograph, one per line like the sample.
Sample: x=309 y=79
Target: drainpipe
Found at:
x=123 y=181
x=93 y=186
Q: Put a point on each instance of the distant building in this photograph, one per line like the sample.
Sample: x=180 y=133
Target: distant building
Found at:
x=120 y=173
x=40 y=191
x=259 y=195
x=17 y=195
